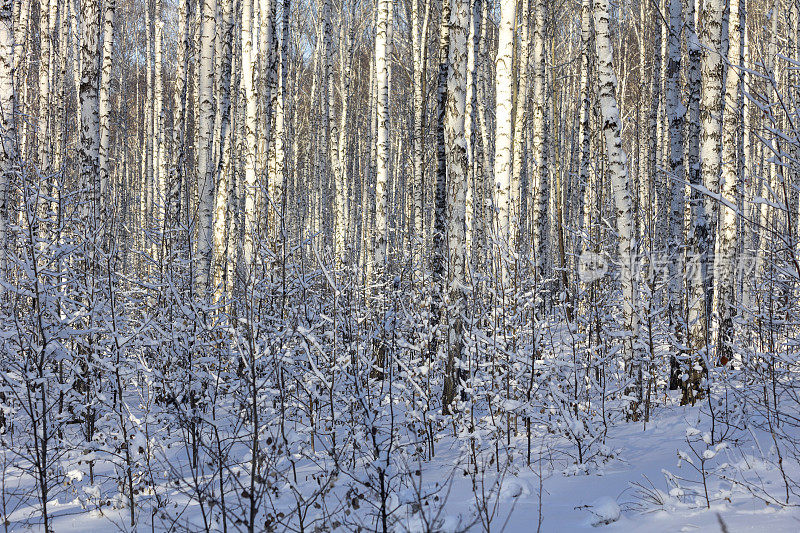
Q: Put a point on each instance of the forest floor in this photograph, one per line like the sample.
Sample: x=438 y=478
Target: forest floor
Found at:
x=604 y=496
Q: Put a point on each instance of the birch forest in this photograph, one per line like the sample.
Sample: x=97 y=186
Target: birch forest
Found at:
x=399 y=265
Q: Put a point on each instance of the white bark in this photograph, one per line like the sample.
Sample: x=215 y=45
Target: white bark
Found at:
x=724 y=259
x=696 y=292
x=8 y=144
x=618 y=170
x=675 y=114
x=149 y=125
x=538 y=142
x=179 y=119
x=517 y=217
x=249 y=82
x=205 y=148
x=159 y=122
x=105 y=101
x=382 y=48
x=278 y=180
x=504 y=97
x=42 y=132
x=710 y=115
x=90 y=120
x=223 y=210
x=474 y=155
x=584 y=139
x=419 y=41
x=457 y=190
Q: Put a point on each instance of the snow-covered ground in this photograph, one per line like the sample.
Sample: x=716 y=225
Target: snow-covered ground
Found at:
x=646 y=483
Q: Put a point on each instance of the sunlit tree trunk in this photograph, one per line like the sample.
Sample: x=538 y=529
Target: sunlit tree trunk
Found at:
x=249 y=81
x=90 y=121
x=456 y=194
x=516 y=217
x=539 y=144
x=8 y=143
x=474 y=152
x=618 y=170
x=224 y=201
x=205 y=148
x=724 y=260
x=675 y=113
x=419 y=47
x=45 y=45
x=710 y=115
x=180 y=94
x=279 y=179
x=382 y=49
x=584 y=140
x=504 y=106
x=104 y=99
x=159 y=120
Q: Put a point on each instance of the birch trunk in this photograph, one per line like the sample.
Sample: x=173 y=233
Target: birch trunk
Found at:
x=382 y=48
x=648 y=204
x=159 y=121
x=675 y=114
x=695 y=288
x=45 y=44
x=419 y=45
x=618 y=169
x=343 y=179
x=90 y=120
x=205 y=148
x=470 y=128
x=457 y=193
x=584 y=139
x=249 y=82
x=710 y=115
x=516 y=217
x=8 y=144
x=279 y=178
x=440 y=193
x=724 y=261
x=504 y=106
x=104 y=99
x=538 y=142
x=149 y=126
x=179 y=119
x=223 y=208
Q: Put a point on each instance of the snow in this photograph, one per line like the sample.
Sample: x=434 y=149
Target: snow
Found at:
x=605 y=511
x=640 y=487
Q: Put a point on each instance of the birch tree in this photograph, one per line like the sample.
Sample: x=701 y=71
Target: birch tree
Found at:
x=504 y=98
x=224 y=194
x=710 y=120
x=724 y=260
x=205 y=148
x=675 y=114
x=382 y=48
x=279 y=178
x=159 y=120
x=42 y=132
x=538 y=143
x=440 y=191
x=180 y=94
x=419 y=50
x=618 y=170
x=249 y=82
x=457 y=192
x=90 y=120
x=8 y=144
x=105 y=99
x=517 y=218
